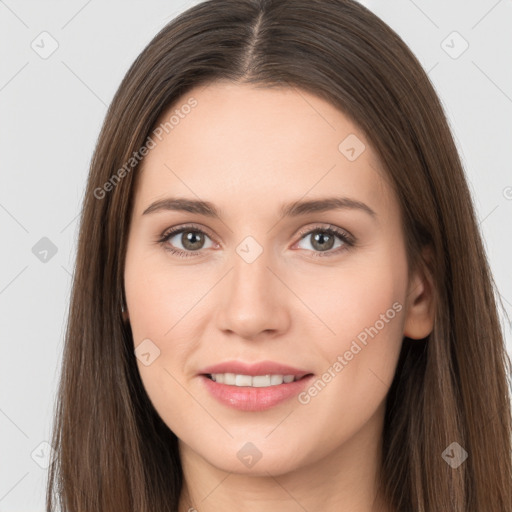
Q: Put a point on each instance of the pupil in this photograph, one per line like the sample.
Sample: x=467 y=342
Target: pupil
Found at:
x=320 y=238
x=192 y=240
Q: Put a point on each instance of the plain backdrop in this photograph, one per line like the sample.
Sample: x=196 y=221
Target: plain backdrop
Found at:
x=60 y=65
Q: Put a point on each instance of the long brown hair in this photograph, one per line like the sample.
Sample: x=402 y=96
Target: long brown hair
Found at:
x=113 y=451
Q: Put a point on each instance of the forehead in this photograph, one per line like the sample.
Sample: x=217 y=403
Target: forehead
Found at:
x=247 y=145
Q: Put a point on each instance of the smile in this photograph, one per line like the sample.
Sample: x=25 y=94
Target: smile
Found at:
x=256 y=381
x=254 y=393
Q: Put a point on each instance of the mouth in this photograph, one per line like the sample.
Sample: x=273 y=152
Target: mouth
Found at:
x=255 y=386
x=254 y=393
x=254 y=381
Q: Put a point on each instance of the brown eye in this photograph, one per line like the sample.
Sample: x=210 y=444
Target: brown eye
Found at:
x=185 y=241
x=322 y=241
x=192 y=240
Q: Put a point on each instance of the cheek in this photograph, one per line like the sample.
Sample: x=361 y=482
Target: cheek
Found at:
x=158 y=302
x=367 y=318
x=157 y=298
x=365 y=303
x=365 y=294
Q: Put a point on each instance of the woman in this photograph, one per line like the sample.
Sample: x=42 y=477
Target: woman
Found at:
x=281 y=297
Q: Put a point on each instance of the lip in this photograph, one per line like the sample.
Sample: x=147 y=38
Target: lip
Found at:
x=247 y=398
x=259 y=368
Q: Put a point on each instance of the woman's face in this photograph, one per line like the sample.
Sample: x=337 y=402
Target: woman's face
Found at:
x=263 y=281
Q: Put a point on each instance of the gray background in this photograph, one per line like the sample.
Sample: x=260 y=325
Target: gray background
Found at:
x=51 y=110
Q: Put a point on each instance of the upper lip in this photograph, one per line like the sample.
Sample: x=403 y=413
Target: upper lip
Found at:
x=259 y=368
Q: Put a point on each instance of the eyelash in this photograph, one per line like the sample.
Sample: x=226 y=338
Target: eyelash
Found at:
x=347 y=240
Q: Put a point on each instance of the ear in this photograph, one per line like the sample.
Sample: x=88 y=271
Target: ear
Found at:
x=420 y=302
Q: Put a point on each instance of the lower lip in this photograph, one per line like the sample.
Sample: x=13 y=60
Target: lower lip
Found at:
x=254 y=399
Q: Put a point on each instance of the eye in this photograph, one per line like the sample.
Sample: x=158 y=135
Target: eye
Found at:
x=323 y=240
x=190 y=238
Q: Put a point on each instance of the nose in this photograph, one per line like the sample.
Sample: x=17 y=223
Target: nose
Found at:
x=252 y=299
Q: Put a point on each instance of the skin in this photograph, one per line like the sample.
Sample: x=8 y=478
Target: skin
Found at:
x=248 y=150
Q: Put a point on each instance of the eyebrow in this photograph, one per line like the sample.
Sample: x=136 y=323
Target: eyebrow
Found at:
x=294 y=209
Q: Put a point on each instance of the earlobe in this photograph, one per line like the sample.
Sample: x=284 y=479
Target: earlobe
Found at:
x=420 y=302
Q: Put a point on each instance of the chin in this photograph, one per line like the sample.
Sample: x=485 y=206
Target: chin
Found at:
x=251 y=458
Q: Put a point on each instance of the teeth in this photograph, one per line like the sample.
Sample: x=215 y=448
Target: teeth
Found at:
x=243 y=380
x=258 y=381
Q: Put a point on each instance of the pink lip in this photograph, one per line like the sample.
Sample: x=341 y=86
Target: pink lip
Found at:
x=260 y=368
x=254 y=399
x=247 y=398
